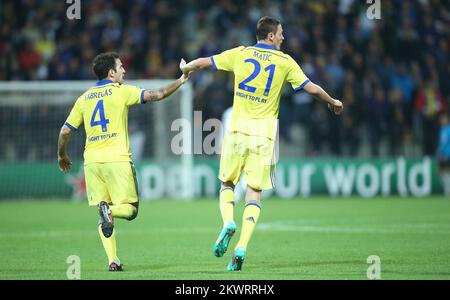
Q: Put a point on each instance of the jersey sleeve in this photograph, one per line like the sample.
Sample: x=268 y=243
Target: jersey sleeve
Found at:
x=225 y=60
x=132 y=94
x=75 y=117
x=295 y=76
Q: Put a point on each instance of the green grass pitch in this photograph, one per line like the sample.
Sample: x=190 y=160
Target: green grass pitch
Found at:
x=316 y=238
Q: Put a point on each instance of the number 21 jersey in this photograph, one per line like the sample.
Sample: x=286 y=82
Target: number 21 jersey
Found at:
x=260 y=73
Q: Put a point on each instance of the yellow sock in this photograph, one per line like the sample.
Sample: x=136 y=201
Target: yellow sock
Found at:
x=123 y=211
x=109 y=244
x=249 y=220
x=227 y=204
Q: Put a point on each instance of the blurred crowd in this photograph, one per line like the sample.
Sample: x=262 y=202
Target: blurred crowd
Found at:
x=392 y=73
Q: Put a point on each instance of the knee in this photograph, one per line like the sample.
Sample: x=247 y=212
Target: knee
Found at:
x=134 y=214
x=253 y=194
x=227 y=185
x=253 y=190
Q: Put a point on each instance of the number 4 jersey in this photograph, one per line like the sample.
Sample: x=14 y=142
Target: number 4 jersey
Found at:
x=104 y=111
x=260 y=73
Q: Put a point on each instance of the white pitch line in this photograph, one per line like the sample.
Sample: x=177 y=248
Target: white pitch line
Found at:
x=288 y=226
x=389 y=229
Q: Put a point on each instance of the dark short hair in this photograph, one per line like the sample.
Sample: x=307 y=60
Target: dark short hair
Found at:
x=103 y=63
x=265 y=26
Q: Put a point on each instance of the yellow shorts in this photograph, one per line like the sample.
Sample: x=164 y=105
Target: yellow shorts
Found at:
x=113 y=182
x=252 y=154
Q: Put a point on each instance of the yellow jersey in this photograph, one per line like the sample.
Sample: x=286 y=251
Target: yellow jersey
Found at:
x=260 y=73
x=104 y=111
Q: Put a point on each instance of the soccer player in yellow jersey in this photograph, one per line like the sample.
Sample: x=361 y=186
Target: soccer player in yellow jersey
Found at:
x=260 y=73
x=109 y=172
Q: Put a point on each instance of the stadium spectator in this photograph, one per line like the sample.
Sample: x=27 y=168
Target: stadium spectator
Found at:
x=377 y=109
x=429 y=103
x=443 y=153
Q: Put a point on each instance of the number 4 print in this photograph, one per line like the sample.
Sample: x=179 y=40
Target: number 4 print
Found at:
x=103 y=121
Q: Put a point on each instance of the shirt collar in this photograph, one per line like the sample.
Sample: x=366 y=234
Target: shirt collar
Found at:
x=103 y=82
x=265 y=46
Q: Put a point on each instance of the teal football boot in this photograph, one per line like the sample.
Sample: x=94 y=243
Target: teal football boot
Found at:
x=237 y=260
x=222 y=242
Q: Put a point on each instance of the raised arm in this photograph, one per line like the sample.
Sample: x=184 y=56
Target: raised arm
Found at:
x=317 y=92
x=197 y=64
x=63 y=159
x=168 y=89
x=164 y=92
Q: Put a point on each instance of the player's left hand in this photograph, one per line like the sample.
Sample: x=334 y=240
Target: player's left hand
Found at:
x=337 y=107
x=64 y=163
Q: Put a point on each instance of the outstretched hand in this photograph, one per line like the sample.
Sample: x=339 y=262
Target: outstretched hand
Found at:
x=337 y=107
x=186 y=74
x=183 y=67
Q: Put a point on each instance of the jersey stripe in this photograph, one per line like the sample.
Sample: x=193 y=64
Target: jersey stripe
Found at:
x=213 y=63
x=70 y=126
x=302 y=85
